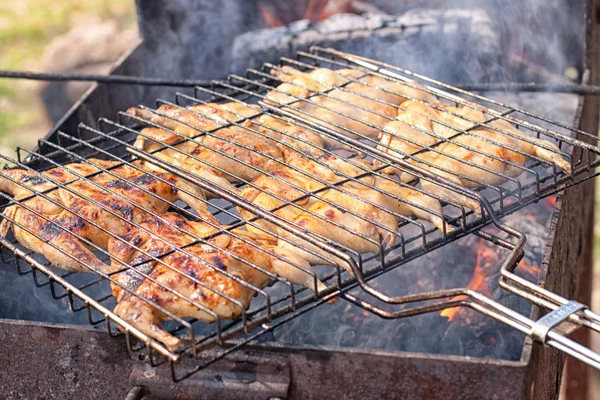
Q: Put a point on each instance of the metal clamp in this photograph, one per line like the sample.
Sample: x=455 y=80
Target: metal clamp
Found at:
x=553 y=319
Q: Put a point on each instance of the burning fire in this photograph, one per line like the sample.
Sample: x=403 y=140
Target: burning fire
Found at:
x=271 y=20
x=529 y=268
x=551 y=200
x=484 y=255
x=316 y=10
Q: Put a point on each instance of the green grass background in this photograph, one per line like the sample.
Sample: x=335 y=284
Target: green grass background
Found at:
x=26 y=28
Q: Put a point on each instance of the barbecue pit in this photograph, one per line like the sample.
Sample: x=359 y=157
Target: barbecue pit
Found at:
x=330 y=359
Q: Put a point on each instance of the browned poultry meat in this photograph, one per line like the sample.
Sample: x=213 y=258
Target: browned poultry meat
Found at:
x=364 y=105
x=230 y=154
x=197 y=280
x=410 y=131
x=227 y=155
x=354 y=215
x=89 y=209
x=481 y=155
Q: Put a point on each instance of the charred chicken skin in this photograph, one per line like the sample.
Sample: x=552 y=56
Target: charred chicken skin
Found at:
x=196 y=281
x=91 y=209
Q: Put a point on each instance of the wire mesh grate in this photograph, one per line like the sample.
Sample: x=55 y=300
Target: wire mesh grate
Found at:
x=209 y=199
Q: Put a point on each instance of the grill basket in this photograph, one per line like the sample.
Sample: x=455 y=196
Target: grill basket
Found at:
x=114 y=141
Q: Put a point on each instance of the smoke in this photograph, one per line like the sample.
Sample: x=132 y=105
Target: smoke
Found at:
x=498 y=41
x=548 y=33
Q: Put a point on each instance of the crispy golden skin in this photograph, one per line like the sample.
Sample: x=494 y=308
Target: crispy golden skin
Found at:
x=419 y=126
x=357 y=216
x=227 y=155
x=174 y=283
x=91 y=209
x=230 y=154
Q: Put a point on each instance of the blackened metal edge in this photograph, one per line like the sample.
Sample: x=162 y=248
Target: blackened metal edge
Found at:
x=276 y=347
x=19 y=322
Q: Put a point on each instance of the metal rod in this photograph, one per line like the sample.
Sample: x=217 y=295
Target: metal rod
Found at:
x=253 y=91
x=112 y=79
x=531 y=87
x=145 y=81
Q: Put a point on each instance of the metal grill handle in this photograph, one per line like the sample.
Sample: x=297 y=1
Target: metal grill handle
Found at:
x=544 y=330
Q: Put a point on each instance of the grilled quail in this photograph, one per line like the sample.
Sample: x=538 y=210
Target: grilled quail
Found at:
x=149 y=289
x=85 y=210
x=363 y=104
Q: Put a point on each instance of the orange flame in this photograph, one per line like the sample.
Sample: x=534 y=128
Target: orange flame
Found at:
x=340 y=7
x=271 y=20
x=529 y=268
x=551 y=200
x=477 y=282
x=309 y=10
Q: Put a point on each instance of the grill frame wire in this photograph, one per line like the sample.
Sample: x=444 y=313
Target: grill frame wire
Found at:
x=429 y=148
x=538 y=189
x=53 y=145
x=379 y=66
x=442 y=139
x=542 y=297
x=220 y=128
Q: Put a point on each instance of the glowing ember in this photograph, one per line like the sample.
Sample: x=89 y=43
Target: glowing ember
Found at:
x=316 y=10
x=529 y=268
x=271 y=20
x=477 y=282
x=550 y=200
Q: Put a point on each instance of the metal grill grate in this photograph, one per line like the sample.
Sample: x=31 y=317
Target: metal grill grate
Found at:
x=197 y=151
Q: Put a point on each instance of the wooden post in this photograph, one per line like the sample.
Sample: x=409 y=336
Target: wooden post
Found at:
x=577 y=374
